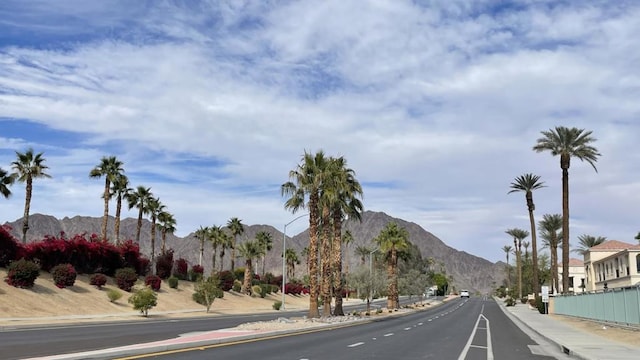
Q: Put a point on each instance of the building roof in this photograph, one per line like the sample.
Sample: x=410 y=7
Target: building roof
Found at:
x=574 y=262
x=612 y=245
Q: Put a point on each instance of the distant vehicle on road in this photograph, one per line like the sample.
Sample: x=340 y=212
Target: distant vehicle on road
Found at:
x=464 y=293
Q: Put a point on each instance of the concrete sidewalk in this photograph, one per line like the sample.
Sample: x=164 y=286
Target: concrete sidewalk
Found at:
x=572 y=341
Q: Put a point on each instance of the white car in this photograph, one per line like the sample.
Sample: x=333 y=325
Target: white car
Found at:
x=464 y=294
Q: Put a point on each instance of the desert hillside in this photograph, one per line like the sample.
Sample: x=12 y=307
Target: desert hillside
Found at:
x=46 y=303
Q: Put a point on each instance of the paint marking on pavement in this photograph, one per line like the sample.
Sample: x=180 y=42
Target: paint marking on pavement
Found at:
x=420 y=324
x=406 y=329
x=356 y=344
x=389 y=334
x=476 y=327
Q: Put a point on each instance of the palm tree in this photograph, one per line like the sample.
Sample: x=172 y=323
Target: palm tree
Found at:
x=139 y=199
x=120 y=189
x=507 y=249
x=202 y=234
x=362 y=251
x=225 y=242
x=109 y=167
x=27 y=167
x=527 y=183
x=392 y=240
x=304 y=191
x=154 y=208
x=347 y=239
x=6 y=180
x=518 y=235
x=291 y=259
x=249 y=250
x=568 y=143
x=235 y=226
x=216 y=236
x=588 y=241
x=549 y=227
x=342 y=192
x=167 y=224
x=265 y=242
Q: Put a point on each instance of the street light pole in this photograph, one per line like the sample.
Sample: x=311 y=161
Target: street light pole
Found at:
x=284 y=259
x=371 y=278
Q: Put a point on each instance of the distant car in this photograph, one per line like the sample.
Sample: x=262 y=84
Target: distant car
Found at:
x=464 y=294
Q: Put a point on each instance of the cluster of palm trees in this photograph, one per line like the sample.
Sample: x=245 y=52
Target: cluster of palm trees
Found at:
x=328 y=190
x=566 y=143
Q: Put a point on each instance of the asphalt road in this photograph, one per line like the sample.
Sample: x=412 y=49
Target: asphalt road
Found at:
x=25 y=342
x=460 y=329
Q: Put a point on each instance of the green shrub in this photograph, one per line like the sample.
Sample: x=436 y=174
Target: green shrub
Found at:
x=143 y=300
x=22 y=273
x=541 y=306
x=153 y=281
x=510 y=301
x=256 y=290
x=277 y=305
x=196 y=273
x=114 y=295
x=173 y=282
x=206 y=291
x=237 y=285
x=64 y=275
x=126 y=278
x=238 y=273
x=98 y=280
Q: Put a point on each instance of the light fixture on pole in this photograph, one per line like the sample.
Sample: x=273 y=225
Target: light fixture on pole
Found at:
x=284 y=257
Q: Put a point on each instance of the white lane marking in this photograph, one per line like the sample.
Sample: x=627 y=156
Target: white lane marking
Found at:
x=405 y=329
x=489 y=348
x=420 y=324
x=389 y=334
x=356 y=344
x=430 y=320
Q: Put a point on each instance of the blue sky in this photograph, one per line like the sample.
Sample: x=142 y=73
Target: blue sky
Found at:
x=435 y=104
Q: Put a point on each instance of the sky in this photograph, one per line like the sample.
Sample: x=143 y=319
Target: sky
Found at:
x=435 y=105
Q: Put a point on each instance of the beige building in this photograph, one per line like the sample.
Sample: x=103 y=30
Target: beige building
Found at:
x=612 y=264
x=576 y=276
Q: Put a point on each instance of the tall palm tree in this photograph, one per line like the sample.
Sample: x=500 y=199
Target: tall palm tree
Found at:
x=567 y=143
x=347 y=239
x=549 y=227
x=167 y=225
x=6 y=180
x=518 y=235
x=527 y=183
x=154 y=208
x=109 y=167
x=588 y=241
x=507 y=249
x=392 y=240
x=225 y=242
x=342 y=192
x=139 y=198
x=27 y=167
x=216 y=237
x=265 y=242
x=120 y=189
x=202 y=234
x=303 y=191
x=249 y=250
x=291 y=259
x=235 y=226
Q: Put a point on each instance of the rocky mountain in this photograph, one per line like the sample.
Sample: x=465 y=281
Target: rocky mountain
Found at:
x=467 y=271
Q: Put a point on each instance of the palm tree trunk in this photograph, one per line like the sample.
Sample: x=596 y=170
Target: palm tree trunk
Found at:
x=246 y=284
x=337 y=263
x=139 y=226
x=153 y=245
x=554 y=270
x=326 y=263
x=105 y=216
x=27 y=205
x=314 y=289
x=117 y=222
x=565 y=230
x=392 y=299
x=508 y=273
x=534 y=253
x=164 y=242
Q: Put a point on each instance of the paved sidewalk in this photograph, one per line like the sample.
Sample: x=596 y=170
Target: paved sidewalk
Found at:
x=574 y=342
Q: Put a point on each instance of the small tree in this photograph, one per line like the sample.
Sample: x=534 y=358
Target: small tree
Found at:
x=206 y=291
x=143 y=300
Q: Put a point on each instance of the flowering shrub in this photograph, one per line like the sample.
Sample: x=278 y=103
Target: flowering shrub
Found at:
x=295 y=289
x=164 y=264
x=196 y=272
x=10 y=248
x=130 y=252
x=181 y=269
x=153 y=281
x=98 y=280
x=226 y=280
x=126 y=278
x=64 y=275
x=22 y=273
